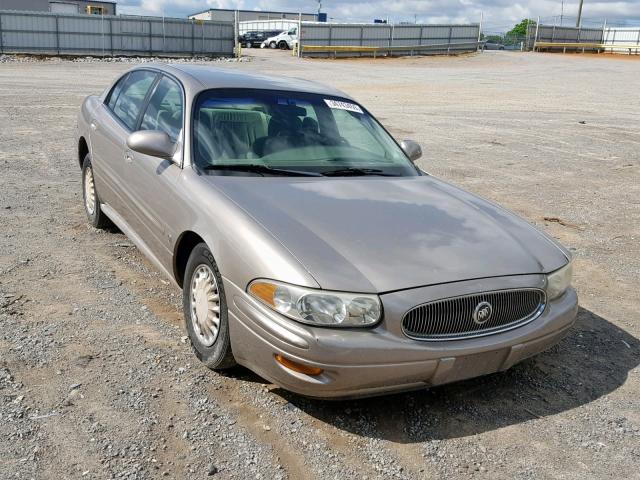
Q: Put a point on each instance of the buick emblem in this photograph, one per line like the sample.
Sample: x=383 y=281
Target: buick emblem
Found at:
x=482 y=313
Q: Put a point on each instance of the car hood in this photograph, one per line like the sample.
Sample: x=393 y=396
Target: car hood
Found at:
x=373 y=234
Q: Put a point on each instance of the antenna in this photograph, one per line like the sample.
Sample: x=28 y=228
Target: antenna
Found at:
x=319 y=6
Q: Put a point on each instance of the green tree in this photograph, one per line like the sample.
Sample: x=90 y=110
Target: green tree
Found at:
x=520 y=30
x=494 y=38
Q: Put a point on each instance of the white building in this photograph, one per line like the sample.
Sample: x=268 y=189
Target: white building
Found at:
x=228 y=15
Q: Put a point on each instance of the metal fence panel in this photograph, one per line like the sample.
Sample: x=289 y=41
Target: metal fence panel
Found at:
x=624 y=35
x=386 y=39
x=620 y=39
x=48 y=33
x=339 y=33
x=376 y=36
x=555 y=34
x=130 y=37
x=23 y=29
x=436 y=32
x=78 y=36
x=464 y=33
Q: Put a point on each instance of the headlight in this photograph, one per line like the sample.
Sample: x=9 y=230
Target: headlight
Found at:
x=318 y=307
x=559 y=281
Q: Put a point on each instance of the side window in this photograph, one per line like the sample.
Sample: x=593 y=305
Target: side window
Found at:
x=115 y=92
x=129 y=102
x=165 y=110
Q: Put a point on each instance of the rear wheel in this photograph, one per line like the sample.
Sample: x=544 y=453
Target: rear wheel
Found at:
x=90 y=196
x=205 y=310
x=283 y=45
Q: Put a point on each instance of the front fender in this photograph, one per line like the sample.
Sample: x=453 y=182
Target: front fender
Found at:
x=243 y=249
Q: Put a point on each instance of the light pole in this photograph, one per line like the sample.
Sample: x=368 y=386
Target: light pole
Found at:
x=579 y=21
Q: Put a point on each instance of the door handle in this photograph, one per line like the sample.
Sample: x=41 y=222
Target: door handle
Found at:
x=128 y=156
x=94 y=126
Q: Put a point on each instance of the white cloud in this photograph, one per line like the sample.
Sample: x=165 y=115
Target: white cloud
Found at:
x=498 y=14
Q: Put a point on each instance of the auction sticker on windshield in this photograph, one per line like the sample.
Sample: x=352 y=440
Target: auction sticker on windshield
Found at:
x=351 y=107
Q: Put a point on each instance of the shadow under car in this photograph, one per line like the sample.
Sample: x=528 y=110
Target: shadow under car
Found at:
x=592 y=361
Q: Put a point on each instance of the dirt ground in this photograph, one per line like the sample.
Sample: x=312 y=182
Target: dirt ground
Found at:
x=97 y=379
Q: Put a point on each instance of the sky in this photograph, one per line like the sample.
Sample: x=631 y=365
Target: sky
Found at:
x=498 y=15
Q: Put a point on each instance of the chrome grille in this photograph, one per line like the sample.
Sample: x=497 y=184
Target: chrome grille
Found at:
x=452 y=318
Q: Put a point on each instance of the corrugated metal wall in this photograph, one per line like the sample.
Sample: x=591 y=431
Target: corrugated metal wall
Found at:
x=394 y=39
x=625 y=39
x=47 y=33
x=552 y=33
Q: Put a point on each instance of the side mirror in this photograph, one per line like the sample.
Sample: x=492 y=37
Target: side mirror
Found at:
x=151 y=142
x=412 y=149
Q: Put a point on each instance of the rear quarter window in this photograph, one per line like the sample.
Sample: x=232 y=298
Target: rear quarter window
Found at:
x=115 y=91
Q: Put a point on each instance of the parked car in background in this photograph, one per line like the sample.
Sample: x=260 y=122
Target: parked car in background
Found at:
x=284 y=41
x=493 y=46
x=255 y=38
x=308 y=244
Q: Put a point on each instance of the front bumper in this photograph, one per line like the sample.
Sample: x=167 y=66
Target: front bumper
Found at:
x=367 y=362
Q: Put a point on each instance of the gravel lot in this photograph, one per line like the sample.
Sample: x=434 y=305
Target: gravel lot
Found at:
x=97 y=378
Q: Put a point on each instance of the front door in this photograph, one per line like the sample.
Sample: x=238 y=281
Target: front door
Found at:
x=153 y=179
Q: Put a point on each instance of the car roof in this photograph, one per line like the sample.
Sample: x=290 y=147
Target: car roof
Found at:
x=196 y=78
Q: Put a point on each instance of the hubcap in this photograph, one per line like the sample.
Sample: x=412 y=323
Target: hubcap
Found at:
x=205 y=305
x=89 y=192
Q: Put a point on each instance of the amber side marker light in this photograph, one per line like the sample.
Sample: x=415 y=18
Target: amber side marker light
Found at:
x=264 y=291
x=298 y=367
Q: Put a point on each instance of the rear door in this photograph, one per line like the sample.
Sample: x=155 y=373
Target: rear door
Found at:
x=110 y=127
x=153 y=179
x=102 y=138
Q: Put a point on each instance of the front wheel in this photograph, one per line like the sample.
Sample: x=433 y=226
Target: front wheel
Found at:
x=205 y=310
x=272 y=45
x=90 y=196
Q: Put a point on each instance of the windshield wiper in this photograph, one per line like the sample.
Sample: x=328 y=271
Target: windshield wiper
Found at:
x=357 y=172
x=257 y=168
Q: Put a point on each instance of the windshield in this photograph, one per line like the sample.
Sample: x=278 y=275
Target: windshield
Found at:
x=262 y=131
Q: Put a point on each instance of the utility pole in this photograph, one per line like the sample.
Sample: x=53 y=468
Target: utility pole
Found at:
x=579 y=21
x=561 y=12
x=479 y=32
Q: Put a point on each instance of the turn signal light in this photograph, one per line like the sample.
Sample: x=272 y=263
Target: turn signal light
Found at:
x=264 y=291
x=298 y=367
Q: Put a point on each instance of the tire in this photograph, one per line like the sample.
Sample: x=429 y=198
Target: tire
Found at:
x=272 y=45
x=95 y=215
x=283 y=45
x=202 y=280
